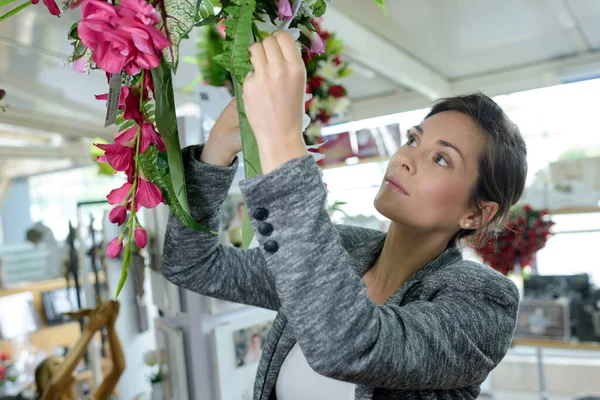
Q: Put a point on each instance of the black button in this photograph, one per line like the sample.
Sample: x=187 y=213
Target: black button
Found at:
x=265 y=228
x=261 y=214
x=271 y=246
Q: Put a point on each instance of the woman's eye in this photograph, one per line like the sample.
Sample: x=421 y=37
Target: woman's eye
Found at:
x=410 y=140
x=439 y=159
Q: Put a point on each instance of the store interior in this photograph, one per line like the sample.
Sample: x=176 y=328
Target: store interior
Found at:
x=538 y=59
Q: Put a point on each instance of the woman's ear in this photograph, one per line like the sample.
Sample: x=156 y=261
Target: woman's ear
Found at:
x=480 y=217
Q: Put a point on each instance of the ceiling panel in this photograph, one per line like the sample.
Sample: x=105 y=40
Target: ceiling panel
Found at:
x=459 y=38
x=587 y=15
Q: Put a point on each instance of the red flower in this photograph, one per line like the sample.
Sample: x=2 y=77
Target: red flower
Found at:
x=124 y=94
x=132 y=108
x=324 y=117
x=337 y=61
x=337 y=91
x=148 y=136
x=4 y=357
x=119 y=157
x=147 y=194
x=307 y=105
x=141 y=237
x=118 y=215
x=118 y=196
x=115 y=247
x=527 y=208
x=50 y=5
x=316 y=82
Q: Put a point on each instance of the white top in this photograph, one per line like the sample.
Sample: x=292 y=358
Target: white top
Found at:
x=298 y=381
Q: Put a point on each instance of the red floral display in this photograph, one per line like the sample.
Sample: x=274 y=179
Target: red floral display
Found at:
x=526 y=232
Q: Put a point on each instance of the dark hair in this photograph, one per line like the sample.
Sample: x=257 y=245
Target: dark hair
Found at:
x=502 y=164
x=33 y=235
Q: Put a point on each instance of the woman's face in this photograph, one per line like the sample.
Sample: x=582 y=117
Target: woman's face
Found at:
x=428 y=180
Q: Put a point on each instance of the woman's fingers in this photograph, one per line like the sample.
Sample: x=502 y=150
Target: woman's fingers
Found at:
x=288 y=47
x=258 y=57
x=273 y=52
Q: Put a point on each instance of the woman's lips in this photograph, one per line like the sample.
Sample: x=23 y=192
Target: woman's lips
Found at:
x=397 y=185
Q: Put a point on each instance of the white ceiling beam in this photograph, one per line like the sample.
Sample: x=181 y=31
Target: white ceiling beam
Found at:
x=49 y=123
x=568 y=24
x=51 y=99
x=549 y=73
x=39 y=152
x=386 y=59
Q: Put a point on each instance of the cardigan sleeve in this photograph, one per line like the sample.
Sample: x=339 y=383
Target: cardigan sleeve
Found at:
x=451 y=341
x=196 y=261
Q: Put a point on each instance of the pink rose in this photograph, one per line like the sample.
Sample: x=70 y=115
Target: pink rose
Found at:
x=122 y=38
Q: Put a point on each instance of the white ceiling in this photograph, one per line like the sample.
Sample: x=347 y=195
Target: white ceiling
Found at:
x=424 y=49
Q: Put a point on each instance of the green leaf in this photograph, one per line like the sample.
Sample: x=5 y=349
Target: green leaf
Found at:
x=149 y=162
x=193 y=84
x=166 y=123
x=178 y=19
x=125 y=267
x=73 y=34
x=381 y=4
x=319 y=8
x=238 y=27
x=251 y=157
x=15 y=10
x=79 y=50
x=190 y=60
x=5 y=2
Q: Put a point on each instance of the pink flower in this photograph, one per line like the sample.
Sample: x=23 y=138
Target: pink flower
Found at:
x=284 y=9
x=51 y=5
x=148 y=136
x=118 y=215
x=124 y=95
x=141 y=237
x=118 y=156
x=118 y=196
x=132 y=108
x=140 y=9
x=115 y=247
x=80 y=65
x=122 y=38
x=147 y=194
x=317 y=45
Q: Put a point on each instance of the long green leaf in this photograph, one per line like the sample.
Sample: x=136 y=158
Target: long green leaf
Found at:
x=238 y=27
x=178 y=19
x=149 y=163
x=251 y=157
x=381 y=4
x=5 y=2
x=166 y=122
x=15 y=10
x=125 y=267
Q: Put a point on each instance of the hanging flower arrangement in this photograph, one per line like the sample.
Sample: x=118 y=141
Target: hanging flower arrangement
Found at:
x=136 y=43
x=321 y=51
x=526 y=232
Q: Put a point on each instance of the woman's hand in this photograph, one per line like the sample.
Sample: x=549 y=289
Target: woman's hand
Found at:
x=224 y=141
x=274 y=99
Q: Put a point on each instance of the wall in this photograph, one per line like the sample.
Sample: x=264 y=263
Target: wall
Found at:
x=15 y=215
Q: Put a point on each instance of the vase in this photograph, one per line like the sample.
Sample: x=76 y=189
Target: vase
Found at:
x=158 y=392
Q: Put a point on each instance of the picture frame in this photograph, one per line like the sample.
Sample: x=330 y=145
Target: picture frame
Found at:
x=171 y=347
x=544 y=320
x=237 y=354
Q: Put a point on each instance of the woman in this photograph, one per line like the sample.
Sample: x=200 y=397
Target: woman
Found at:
x=362 y=314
